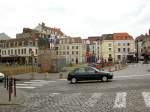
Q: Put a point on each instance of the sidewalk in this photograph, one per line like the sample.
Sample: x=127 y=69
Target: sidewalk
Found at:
x=37 y=76
x=57 y=76
x=4 y=97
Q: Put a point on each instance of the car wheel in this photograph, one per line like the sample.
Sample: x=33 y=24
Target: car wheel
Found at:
x=73 y=80
x=104 y=79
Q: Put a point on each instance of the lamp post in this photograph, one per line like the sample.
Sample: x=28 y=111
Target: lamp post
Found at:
x=137 y=51
x=32 y=59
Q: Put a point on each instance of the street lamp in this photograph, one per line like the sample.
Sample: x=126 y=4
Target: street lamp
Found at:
x=137 y=51
x=32 y=57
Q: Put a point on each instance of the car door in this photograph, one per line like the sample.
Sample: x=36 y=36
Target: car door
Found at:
x=81 y=74
x=91 y=73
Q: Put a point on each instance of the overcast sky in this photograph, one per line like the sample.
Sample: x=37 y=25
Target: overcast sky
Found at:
x=76 y=17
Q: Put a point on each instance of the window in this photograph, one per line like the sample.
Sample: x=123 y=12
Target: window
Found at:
x=119 y=44
x=76 y=52
x=8 y=52
x=21 y=51
x=68 y=52
x=72 y=52
x=15 y=51
x=30 y=51
x=72 y=47
x=64 y=53
x=24 y=51
x=118 y=49
x=30 y=43
x=80 y=70
x=37 y=51
x=67 y=47
x=76 y=47
x=124 y=49
x=124 y=44
x=109 y=55
x=11 y=52
x=109 y=45
x=64 y=47
x=72 y=60
x=90 y=70
x=128 y=49
x=128 y=44
x=119 y=57
x=109 y=49
x=18 y=51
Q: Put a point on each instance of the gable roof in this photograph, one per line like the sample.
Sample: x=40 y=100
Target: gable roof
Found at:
x=3 y=36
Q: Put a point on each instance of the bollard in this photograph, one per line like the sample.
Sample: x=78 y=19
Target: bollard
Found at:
x=7 y=82
x=11 y=80
x=4 y=82
x=9 y=90
x=60 y=75
x=14 y=87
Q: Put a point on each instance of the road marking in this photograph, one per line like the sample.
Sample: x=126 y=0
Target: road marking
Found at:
x=146 y=96
x=36 y=82
x=63 y=79
x=120 y=101
x=93 y=100
x=55 y=93
x=41 y=81
x=115 y=77
x=22 y=84
x=33 y=84
x=25 y=87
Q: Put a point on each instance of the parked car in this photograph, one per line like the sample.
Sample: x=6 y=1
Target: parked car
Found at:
x=1 y=77
x=88 y=73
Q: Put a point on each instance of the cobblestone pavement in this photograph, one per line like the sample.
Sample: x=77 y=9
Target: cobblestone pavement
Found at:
x=128 y=92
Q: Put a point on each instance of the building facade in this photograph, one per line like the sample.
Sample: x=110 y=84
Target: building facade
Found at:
x=25 y=48
x=20 y=50
x=72 y=49
x=143 y=45
x=107 y=47
x=124 y=45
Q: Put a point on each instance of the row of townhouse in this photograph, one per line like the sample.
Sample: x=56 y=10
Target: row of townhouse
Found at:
x=28 y=45
x=117 y=46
